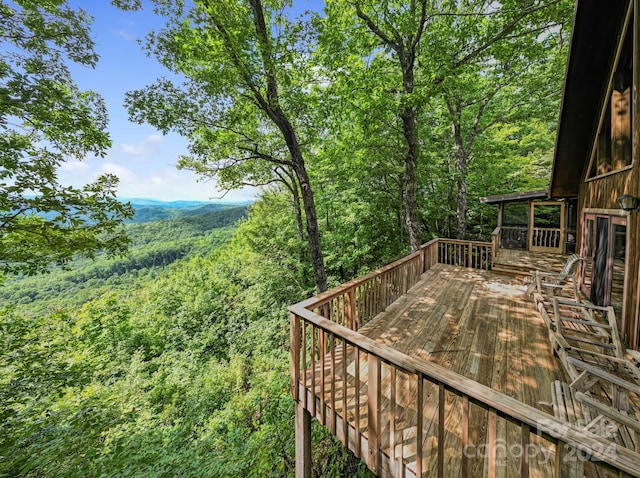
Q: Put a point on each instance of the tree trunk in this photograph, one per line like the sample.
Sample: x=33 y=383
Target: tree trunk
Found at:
x=271 y=106
x=462 y=161
x=409 y=116
x=293 y=187
x=313 y=232
x=410 y=125
x=308 y=202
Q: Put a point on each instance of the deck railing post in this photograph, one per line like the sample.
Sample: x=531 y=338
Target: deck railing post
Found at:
x=373 y=413
x=294 y=331
x=303 y=442
x=495 y=243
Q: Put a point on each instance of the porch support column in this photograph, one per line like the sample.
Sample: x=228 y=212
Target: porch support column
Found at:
x=303 y=442
x=631 y=324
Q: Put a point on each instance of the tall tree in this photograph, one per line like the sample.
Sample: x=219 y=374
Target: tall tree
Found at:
x=431 y=43
x=244 y=98
x=513 y=81
x=45 y=119
x=398 y=27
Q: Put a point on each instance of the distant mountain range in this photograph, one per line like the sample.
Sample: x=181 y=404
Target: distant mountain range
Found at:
x=148 y=210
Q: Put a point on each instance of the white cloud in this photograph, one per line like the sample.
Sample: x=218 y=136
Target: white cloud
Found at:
x=144 y=148
x=170 y=184
x=146 y=170
x=123 y=173
x=75 y=168
x=125 y=35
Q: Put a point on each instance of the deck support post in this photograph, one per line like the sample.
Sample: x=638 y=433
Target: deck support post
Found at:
x=303 y=442
x=373 y=414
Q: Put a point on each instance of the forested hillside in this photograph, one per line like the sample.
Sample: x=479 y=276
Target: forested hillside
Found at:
x=153 y=246
x=369 y=127
x=159 y=369
x=149 y=210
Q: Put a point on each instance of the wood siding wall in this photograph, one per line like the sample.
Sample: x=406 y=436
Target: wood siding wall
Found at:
x=602 y=193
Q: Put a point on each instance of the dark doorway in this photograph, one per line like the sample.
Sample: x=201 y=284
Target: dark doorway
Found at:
x=599 y=277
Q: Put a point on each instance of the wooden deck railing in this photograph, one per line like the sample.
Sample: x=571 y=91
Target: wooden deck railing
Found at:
x=546 y=237
x=355 y=303
x=464 y=253
x=389 y=409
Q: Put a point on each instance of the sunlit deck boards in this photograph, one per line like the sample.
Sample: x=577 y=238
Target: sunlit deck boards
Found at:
x=480 y=325
x=435 y=374
x=475 y=323
x=517 y=260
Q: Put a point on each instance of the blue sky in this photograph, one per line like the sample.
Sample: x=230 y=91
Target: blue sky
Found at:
x=140 y=156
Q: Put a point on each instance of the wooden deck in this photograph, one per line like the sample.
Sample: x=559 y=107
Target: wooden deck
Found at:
x=476 y=323
x=517 y=261
x=443 y=373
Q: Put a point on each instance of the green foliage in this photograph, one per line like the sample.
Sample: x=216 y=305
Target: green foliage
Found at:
x=145 y=381
x=180 y=372
x=153 y=246
x=173 y=361
x=45 y=118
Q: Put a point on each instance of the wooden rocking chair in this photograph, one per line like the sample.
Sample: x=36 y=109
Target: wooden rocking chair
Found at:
x=585 y=338
x=553 y=283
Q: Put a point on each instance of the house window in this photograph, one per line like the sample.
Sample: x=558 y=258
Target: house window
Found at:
x=612 y=149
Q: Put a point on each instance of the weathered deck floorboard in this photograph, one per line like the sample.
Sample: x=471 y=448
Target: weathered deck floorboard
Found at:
x=480 y=325
x=475 y=323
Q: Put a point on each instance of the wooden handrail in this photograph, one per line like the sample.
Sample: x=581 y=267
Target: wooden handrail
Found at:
x=624 y=459
x=356 y=302
x=324 y=328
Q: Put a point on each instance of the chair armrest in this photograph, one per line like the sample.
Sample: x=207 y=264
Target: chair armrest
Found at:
x=556 y=274
x=635 y=356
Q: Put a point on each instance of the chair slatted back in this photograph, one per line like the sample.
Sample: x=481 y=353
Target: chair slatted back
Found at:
x=572 y=265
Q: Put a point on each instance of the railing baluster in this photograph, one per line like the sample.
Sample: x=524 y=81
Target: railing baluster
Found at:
x=419 y=424
x=441 y=403
x=465 y=435
x=345 y=391
x=323 y=351
x=358 y=452
x=313 y=371
x=373 y=412
x=294 y=324
x=524 y=457
x=384 y=297
x=491 y=443
x=304 y=364
x=392 y=416
x=334 y=415
x=401 y=444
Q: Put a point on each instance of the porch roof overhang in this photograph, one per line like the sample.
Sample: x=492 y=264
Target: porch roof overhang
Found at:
x=513 y=197
x=593 y=44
